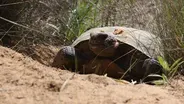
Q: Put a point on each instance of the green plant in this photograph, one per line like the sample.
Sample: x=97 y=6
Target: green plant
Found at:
x=82 y=18
x=169 y=70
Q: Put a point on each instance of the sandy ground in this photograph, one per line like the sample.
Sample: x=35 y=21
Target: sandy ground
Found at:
x=25 y=81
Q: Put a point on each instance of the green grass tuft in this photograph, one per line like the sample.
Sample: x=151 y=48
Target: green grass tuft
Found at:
x=169 y=70
x=82 y=18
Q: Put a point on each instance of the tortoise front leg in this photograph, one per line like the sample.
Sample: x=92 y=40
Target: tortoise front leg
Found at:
x=68 y=58
x=151 y=66
x=102 y=66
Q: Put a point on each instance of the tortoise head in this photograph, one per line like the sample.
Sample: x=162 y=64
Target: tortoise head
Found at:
x=103 y=44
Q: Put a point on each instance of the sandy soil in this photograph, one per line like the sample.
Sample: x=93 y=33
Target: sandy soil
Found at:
x=25 y=81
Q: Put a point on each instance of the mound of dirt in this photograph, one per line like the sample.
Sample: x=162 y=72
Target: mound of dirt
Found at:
x=25 y=81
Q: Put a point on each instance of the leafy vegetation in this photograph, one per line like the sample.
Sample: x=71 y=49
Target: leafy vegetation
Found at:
x=82 y=18
x=170 y=70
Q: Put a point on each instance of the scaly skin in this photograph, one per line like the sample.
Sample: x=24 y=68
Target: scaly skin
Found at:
x=69 y=58
x=102 y=66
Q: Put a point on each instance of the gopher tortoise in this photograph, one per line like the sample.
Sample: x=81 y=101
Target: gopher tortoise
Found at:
x=119 y=52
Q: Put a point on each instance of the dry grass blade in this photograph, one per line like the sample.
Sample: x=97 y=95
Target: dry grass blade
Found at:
x=19 y=24
x=119 y=58
x=64 y=84
x=16 y=3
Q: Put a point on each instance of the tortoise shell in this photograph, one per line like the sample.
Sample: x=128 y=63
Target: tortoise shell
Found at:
x=147 y=43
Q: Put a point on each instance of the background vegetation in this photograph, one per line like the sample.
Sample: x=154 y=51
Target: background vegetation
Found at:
x=25 y=24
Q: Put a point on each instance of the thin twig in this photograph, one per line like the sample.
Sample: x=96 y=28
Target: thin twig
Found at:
x=19 y=24
x=10 y=4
